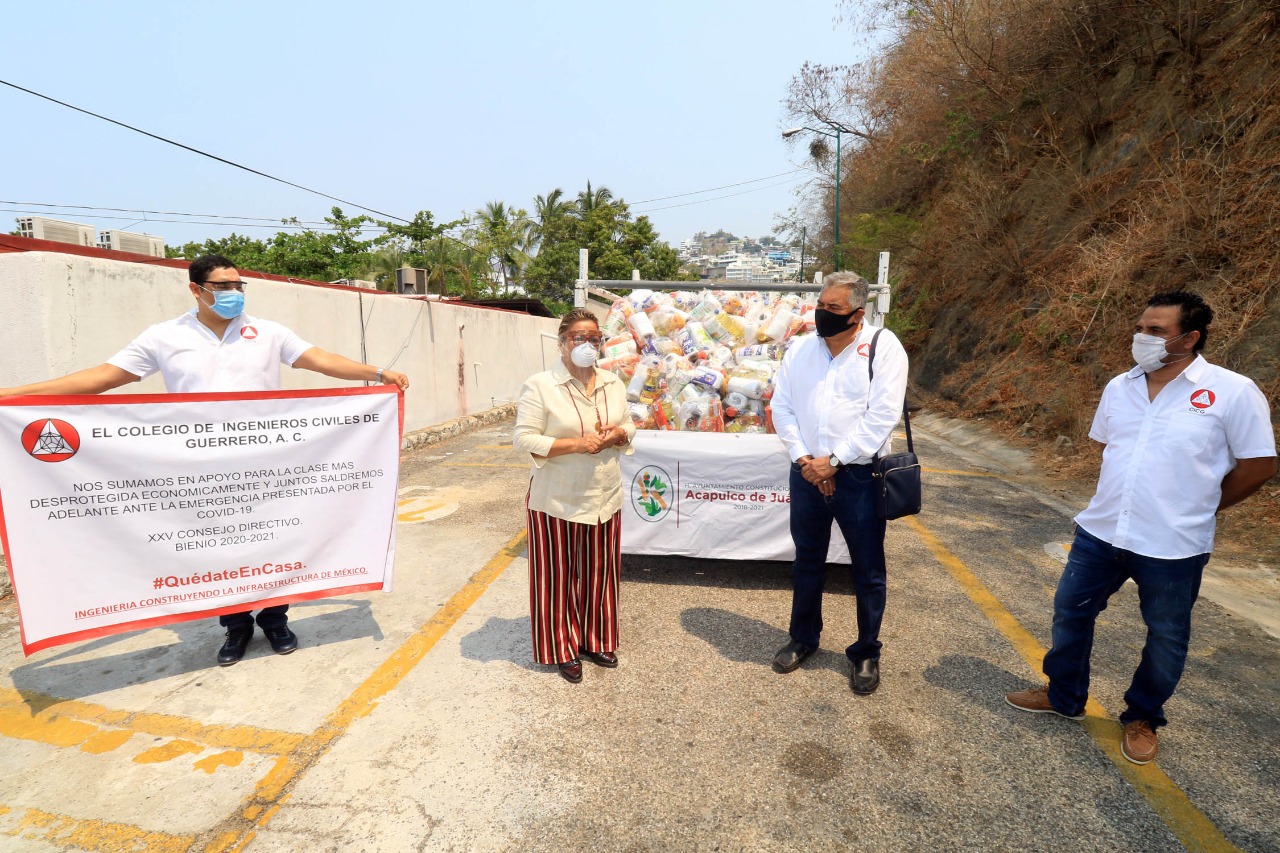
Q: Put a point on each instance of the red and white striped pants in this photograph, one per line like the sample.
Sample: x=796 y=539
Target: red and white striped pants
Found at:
x=573 y=586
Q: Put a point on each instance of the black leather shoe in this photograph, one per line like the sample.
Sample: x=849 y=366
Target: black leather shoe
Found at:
x=233 y=649
x=608 y=660
x=865 y=676
x=571 y=671
x=790 y=656
x=283 y=641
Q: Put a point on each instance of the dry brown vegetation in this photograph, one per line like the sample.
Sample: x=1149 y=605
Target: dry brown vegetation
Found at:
x=1060 y=161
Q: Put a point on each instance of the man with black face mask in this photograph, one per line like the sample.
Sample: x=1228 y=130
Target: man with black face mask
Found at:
x=1182 y=440
x=834 y=417
x=217 y=347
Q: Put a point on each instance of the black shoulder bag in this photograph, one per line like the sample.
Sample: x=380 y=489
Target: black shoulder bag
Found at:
x=897 y=475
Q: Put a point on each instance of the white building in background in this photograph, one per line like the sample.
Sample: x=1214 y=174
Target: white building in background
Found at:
x=757 y=272
x=745 y=261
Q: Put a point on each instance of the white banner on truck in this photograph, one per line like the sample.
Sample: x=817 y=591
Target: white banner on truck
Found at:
x=130 y=511
x=713 y=495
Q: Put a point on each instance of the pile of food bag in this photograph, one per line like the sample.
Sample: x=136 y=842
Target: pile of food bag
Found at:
x=702 y=362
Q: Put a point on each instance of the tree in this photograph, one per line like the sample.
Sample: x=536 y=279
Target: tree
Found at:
x=414 y=238
x=551 y=215
x=338 y=253
x=616 y=245
x=383 y=266
x=454 y=267
x=245 y=252
x=589 y=201
x=503 y=234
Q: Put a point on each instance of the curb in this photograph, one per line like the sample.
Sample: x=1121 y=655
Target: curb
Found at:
x=449 y=429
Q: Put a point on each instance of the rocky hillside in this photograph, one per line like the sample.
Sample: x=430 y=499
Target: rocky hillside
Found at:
x=1042 y=167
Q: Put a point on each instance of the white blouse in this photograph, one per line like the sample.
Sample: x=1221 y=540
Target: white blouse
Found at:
x=580 y=487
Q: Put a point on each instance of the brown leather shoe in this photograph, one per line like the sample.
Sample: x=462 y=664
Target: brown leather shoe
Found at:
x=1036 y=700
x=571 y=671
x=1139 y=743
x=608 y=660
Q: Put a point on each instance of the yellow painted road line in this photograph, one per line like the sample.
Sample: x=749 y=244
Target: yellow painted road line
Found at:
x=951 y=473
x=1188 y=823
x=237 y=831
x=95 y=835
x=67 y=722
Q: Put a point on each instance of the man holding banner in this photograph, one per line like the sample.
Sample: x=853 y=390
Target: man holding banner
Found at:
x=216 y=347
x=834 y=418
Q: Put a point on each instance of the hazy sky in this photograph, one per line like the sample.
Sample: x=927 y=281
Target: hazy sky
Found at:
x=405 y=106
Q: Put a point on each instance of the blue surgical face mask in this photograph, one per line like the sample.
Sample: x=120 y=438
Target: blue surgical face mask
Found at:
x=227 y=304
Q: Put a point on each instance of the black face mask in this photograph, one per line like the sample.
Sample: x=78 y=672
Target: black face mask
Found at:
x=829 y=324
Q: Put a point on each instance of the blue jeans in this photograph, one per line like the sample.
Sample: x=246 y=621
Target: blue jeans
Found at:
x=1166 y=591
x=268 y=617
x=853 y=508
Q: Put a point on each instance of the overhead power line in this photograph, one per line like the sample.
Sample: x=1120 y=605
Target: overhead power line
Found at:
x=713 y=189
x=275 y=219
x=279 y=226
x=717 y=198
x=201 y=153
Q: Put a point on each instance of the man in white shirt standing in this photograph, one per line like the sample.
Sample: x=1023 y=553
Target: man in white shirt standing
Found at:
x=1184 y=439
x=834 y=417
x=217 y=347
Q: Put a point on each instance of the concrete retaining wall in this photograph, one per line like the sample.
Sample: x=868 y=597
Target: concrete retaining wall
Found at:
x=62 y=313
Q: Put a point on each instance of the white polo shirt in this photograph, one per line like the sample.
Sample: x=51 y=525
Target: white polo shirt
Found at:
x=193 y=359
x=820 y=404
x=1164 y=461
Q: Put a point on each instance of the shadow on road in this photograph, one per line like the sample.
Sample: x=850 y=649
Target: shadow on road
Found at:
x=500 y=639
x=743 y=639
x=983 y=684
x=723 y=574
x=79 y=671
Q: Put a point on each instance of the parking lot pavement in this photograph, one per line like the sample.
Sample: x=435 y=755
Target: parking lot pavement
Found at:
x=415 y=720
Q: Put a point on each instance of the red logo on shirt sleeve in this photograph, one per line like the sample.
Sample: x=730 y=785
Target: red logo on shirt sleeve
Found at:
x=1203 y=398
x=248 y=332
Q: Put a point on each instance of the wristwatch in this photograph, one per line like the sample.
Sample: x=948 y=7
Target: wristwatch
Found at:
x=835 y=463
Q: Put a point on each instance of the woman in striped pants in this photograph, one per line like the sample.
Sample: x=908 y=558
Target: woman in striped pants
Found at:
x=572 y=421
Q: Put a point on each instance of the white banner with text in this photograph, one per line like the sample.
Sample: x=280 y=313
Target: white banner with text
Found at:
x=123 y=512
x=714 y=495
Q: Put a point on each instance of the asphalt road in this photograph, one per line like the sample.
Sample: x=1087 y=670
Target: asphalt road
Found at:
x=416 y=720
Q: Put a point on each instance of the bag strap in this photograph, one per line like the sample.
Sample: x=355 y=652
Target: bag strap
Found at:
x=871 y=374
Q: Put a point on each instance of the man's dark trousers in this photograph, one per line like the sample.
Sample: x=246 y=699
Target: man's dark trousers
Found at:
x=268 y=617
x=853 y=508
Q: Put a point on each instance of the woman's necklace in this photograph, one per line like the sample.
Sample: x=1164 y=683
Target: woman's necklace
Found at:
x=590 y=402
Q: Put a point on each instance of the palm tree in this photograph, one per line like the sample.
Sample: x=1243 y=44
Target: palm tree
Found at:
x=589 y=201
x=453 y=265
x=382 y=268
x=503 y=233
x=549 y=212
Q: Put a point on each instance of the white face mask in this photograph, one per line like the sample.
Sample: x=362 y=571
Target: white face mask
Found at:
x=1149 y=351
x=584 y=355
